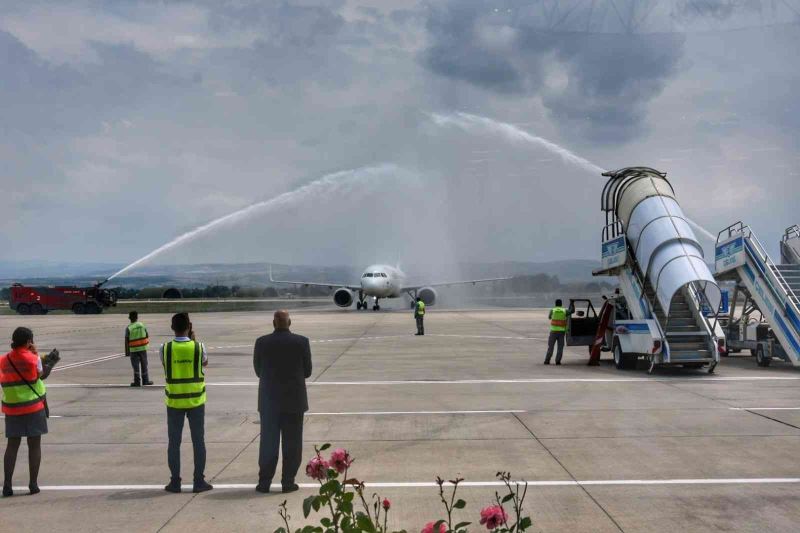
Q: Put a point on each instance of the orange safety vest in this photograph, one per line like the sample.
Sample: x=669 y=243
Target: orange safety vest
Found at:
x=18 y=398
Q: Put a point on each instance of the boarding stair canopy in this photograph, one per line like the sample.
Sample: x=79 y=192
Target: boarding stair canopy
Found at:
x=774 y=288
x=640 y=204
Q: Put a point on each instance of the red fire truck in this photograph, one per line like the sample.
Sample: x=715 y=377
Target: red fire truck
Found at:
x=80 y=300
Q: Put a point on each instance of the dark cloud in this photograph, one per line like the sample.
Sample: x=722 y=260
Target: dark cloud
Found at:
x=501 y=47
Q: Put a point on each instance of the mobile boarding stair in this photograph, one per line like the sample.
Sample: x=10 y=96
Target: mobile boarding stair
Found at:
x=668 y=303
x=773 y=289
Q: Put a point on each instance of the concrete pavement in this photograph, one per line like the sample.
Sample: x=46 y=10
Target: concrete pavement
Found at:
x=676 y=451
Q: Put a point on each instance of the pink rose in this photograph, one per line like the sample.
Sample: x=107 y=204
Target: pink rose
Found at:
x=493 y=517
x=317 y=468
x=386 y=504
x=340 y=460
x=429 y=527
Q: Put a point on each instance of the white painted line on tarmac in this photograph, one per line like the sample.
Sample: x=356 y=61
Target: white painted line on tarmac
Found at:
x=382 y=413
x=51 y=416
x=687 y=379
x=88 y=362
x=431 y=484
x=764 y=408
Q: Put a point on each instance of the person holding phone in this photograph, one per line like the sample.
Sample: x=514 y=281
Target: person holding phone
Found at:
x=24 y=405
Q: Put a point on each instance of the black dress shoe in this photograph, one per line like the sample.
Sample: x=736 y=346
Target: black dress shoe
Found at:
x=263 y=488
x=173 y=486
x=558 y=363
x=148 y=382
x=293 y=487
x=202 y=486
x=136 y=384
x=34 y=489
x=7 y=491
x=547 y=362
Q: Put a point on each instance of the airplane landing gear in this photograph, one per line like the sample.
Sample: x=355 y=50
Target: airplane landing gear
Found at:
x=362 y=302
x=377 y=306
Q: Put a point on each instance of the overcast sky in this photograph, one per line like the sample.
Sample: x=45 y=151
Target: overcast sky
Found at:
x=127 y=124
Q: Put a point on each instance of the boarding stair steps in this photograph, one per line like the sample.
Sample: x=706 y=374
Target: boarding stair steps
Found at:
x=789 y=278
x=685 y=338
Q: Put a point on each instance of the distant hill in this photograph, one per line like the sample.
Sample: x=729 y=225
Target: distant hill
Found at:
x=256 y=274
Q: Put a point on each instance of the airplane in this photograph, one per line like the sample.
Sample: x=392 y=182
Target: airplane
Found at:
x=380 y=281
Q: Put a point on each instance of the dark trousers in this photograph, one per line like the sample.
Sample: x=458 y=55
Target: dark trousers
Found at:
x=420 y=325
x=139 y=359
x=175 y=418
x=555 y=337
x=285 y=429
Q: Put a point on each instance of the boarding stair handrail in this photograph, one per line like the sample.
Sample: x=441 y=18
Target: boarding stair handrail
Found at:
x=771 y=269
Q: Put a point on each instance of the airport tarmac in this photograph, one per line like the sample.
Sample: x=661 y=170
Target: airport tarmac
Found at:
x=604 y=450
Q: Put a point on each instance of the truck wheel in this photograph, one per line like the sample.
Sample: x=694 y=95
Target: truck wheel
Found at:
x=36 y=309
x=23 y=309
x=761 y=359
x=92 y=309
x=78 y=308
x=620 y=359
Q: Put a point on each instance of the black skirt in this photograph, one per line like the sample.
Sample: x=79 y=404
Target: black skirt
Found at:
x=30 y=425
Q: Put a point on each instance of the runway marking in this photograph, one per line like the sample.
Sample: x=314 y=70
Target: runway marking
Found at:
x=431 y=484
x=88 y=362
x=384 y=413
x=764 y=408
x=686 y=379
x=105 y=358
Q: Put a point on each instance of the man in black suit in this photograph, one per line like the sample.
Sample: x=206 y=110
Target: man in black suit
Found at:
x=282 y=361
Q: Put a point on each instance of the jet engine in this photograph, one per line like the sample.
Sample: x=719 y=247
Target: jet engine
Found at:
x=343 y=297
x=428 y=295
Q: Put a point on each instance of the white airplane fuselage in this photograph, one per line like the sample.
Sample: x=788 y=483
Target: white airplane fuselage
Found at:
x=382 y=281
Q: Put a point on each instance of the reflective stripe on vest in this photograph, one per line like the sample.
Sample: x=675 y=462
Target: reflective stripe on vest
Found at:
x=18 y=398
x=183 y=366
x=558 y=319
x=421 y=308
x=137 y=337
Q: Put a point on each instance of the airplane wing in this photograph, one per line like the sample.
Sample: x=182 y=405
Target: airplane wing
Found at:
x=313 y=283
x=449 y=283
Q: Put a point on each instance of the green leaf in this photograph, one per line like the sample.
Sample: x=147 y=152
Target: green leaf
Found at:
x=507 y=498
x=364 y=523
x=462 y=525
x=325 y=446
x=307 y=503
x=331 y=487
x=348 y=497
x=316 y=503
x=308 y=529
x=525 y=523
x=281 y=530
x=326 y=521
x=438 y=524
x=460 y=504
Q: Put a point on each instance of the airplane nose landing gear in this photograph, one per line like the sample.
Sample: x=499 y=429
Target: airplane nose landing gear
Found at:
x=377 y=306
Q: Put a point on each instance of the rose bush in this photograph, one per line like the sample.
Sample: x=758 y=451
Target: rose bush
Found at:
x=348 y=510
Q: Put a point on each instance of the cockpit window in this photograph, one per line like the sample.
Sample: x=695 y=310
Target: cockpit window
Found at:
x=368 y=275
x=380 y=275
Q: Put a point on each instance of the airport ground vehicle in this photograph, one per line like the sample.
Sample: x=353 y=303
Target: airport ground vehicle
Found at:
x=664 y=282
x=769 y=324
x=80 y=300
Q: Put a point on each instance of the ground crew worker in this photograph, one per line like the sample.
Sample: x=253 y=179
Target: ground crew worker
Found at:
x=558 y=330
x=419 y=315
x=136 y=343
x=24 y=404
x=184 y=360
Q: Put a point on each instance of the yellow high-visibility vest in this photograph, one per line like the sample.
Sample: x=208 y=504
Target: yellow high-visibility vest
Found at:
x=185 y=377
x=558 y=319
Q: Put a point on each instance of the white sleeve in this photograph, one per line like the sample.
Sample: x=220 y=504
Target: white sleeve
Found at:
x=205 y=355
x=39 y=366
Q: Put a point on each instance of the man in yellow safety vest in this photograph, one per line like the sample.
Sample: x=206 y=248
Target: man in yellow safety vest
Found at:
x=136 y=342
x=419 y=315
x=184 y=360
x=558 y=330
